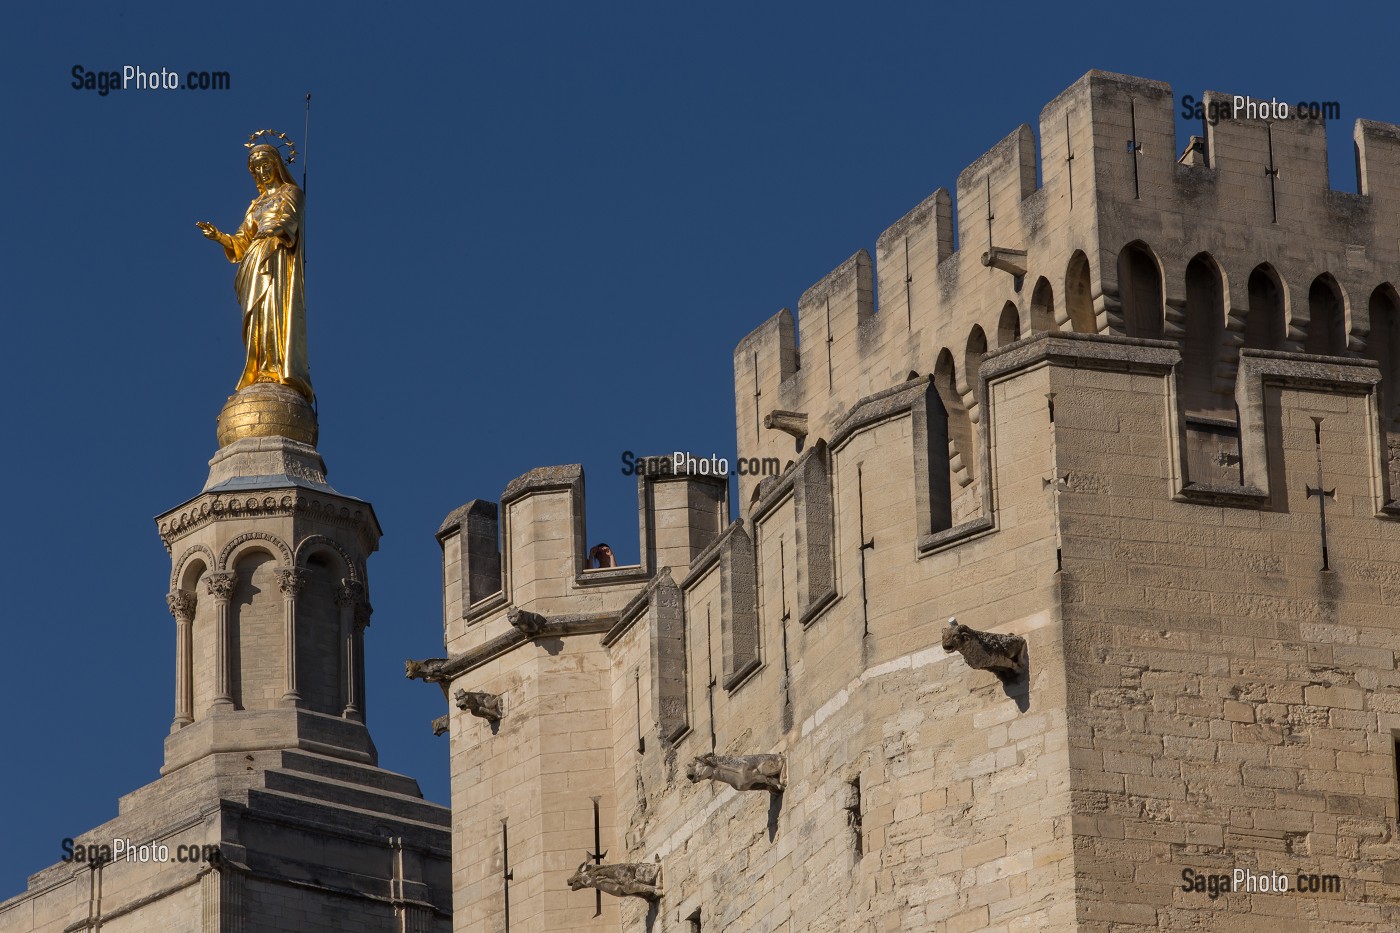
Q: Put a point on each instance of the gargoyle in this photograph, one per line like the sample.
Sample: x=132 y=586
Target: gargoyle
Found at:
x=1003 y=655
x=440 y=725
x=789 y=422
x=429 y=670
x=624 y=879
x=478 y=703
x=741 y=772
x=529 y=624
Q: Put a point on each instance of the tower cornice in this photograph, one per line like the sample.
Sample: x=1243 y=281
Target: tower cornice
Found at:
x=331 y=508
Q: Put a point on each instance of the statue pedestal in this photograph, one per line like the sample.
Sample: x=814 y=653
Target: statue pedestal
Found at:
x=267 y=409
x=264 y=463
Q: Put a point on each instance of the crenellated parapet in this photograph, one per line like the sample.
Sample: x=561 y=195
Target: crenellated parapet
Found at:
x=1121 y=237
x=530 y=551
x=1109 y=416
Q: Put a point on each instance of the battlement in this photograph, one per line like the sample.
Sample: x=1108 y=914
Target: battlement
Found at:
x=1078 y=253
x=532 y=551
x=1073 y=502
x=796 y=630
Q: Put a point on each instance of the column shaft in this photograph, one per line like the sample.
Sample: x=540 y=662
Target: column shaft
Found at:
x=182 y=606
x=290 y=582
x=221 y=585
x=350 y=597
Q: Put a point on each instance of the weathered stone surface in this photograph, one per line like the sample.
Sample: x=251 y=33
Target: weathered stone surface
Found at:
x=789 y=422
x=621 y=880
x=1190 y=689
x=529 y=624
x=741 y=772
x=270 y=776
x=1003 y=655
x=479 y=703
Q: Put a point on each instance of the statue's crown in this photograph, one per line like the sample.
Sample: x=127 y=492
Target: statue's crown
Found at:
x=278 y=141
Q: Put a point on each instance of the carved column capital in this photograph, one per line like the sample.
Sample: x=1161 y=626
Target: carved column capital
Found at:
x=290 y=581
x=221 y=583
x=182 y=604
x=349 y=593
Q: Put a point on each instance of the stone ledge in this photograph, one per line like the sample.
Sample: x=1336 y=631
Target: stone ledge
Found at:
x=1260 y=370
x=1085 y=351
x=1248 y=497
x=267 y=730
x=634 y=610
x=741 y=676
x=709 y=557
x=553 y=627
x=948 y=537
x=603 y=576
x=480 y=610
x=818 y=608
x=877 y=407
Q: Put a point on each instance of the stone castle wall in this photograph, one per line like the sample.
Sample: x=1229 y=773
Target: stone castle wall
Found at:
x=1103 y=446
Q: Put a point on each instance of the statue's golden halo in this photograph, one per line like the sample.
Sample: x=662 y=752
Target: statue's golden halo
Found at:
x=276 y=140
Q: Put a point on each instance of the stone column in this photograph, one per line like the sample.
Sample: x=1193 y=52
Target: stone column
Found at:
x=182 y=606
x=348 y=596
x=361 y=622
x=221 y=893
x=290 y=582
x=221 y=585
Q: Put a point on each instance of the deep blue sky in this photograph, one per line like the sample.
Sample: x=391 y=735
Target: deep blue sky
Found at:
x=536 y=233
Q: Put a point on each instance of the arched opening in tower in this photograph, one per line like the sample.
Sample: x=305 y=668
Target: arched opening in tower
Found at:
x=1265 y=324
x=1326 y=318
x=1079 y=299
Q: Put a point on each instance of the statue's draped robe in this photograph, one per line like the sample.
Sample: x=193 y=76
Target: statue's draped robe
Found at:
x=269 y=286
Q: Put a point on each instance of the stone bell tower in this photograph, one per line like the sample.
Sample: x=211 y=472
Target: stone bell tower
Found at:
x=271 y=814
x=269 y=593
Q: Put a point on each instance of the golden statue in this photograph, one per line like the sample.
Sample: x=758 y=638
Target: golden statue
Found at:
x=270 y=278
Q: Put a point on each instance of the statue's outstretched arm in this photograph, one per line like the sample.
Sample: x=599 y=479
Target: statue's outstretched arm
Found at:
x=238 y=243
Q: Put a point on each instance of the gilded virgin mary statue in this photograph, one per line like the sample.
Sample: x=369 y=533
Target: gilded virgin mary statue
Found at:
x=269 y=283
